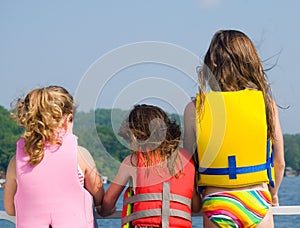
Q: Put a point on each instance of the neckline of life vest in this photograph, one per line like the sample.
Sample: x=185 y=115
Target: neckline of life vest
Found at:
x=232 y=92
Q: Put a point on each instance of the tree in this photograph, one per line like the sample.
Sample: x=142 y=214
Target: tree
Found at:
x=10 y=132
x=292 y=151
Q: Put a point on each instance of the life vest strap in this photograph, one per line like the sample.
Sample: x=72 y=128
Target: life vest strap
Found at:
x=270 y=157
x=232 y=171
x=165 y=205
x=165 y=212
x=156 y=196
x=155 y=212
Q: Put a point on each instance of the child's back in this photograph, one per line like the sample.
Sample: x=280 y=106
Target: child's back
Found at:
x=161 y=172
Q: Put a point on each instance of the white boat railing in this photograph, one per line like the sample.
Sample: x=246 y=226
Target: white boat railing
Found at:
x=281 y=210
x=4 y=216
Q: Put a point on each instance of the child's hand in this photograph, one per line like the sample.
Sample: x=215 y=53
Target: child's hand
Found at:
x=113 y=210
x=275 y=201
x=104 y=214
x=98 y=209
x=274 y=196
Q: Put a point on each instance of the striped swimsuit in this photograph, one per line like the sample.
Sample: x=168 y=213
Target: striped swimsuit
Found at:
x=237 y=209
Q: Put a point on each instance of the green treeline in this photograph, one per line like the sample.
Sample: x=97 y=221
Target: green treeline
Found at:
x=9 y=134
x=98 y=132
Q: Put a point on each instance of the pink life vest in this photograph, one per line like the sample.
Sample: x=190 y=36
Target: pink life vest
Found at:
x=50 y=192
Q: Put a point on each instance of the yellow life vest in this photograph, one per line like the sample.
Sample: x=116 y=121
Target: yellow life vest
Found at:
x=232 y=146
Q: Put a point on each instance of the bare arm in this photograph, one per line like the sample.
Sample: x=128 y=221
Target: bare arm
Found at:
x=10 y=187
x=279 y=163
x=188 y=143
x=110 y=199
x=189 y=137
x=92 y=179
x=116 y=187
x=196 y=201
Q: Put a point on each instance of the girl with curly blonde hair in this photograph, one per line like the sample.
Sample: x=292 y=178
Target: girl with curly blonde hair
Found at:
x=48 y=181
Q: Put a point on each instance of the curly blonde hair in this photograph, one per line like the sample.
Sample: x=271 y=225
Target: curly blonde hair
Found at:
x=41 y=113
x=149 y=130
x=232 y=63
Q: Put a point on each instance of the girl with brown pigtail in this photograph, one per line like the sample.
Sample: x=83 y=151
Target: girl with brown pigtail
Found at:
x=162 y=174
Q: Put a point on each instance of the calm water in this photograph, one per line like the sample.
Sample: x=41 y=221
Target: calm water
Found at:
x=289 y=195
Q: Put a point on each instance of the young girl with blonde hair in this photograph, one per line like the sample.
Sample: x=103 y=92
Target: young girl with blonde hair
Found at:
x=43 y=187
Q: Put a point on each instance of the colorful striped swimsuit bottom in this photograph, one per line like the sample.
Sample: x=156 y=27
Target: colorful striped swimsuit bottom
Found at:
x=237 y=209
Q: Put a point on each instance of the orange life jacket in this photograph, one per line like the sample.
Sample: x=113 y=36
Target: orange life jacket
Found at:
x=162 y=200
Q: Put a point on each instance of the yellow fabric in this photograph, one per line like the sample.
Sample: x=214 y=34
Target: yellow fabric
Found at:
x=127 y=209
x=231 y=124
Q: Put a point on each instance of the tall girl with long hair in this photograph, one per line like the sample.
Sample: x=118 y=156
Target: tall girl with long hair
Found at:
x=234 y=129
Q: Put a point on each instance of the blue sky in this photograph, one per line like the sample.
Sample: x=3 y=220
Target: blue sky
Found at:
x=61 y=42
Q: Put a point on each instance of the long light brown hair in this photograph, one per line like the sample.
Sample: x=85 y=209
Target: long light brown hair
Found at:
x=149 y=130
x=41 y=113
x=232 y=63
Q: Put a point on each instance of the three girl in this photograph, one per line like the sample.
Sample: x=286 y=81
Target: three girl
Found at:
x=234 y=130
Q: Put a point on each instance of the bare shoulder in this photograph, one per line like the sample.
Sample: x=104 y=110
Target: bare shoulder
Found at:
x=84 y=153
x=82 y=149
x=190 y=113
x=130 y=160
x=190 y=107
x=13 y=160
x=85 y=159
x=11 y=169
